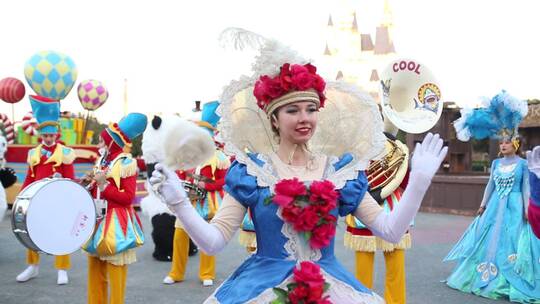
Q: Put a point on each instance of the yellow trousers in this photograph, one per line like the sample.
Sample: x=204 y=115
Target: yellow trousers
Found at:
x=394 y=286
x=61 y=262
x=102 y=274
x=207 y=265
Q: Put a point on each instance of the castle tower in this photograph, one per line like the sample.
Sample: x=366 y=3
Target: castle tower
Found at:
x=350 y=52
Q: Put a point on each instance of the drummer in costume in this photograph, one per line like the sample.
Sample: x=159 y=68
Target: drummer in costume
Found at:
x=209 y=177
x=119 y=232
x=387 y=179
x=47 y=159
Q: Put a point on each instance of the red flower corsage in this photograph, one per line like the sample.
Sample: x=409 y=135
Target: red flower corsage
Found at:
x=308 y=209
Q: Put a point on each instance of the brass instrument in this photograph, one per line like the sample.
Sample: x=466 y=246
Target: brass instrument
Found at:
x=410 y=101
x=381 y=172
x=194 y=192
x=410 y=96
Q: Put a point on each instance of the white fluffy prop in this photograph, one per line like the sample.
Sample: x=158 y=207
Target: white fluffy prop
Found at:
x=179 y=144
x=151 y=205
x=154 y=139
x=187 y=145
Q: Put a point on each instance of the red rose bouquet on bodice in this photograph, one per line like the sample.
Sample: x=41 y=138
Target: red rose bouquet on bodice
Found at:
x=307 y=209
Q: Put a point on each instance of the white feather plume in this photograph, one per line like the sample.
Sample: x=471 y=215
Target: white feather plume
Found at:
x=239 y=39
x=273 y=54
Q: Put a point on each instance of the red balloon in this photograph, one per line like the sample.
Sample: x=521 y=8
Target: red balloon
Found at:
x=11 y=90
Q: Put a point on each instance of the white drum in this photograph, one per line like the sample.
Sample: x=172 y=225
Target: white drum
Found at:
x=54 y=215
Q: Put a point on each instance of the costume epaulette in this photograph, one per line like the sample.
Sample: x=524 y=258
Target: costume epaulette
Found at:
x=61 y=155
x=68 y=154
x=121 y=167
x=219 y=161
x=33 y=158
x=223 y=162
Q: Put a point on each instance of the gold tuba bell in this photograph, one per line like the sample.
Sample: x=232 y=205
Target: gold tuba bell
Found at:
x=410 y=101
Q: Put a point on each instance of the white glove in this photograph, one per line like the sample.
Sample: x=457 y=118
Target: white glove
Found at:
x=167 y=186
x=426 y=159
x=428 y=156
x=533 y=161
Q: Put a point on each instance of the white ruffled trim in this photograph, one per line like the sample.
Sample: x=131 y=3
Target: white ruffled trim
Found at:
x=364 y=130
x=348 y=172
x=266 y=176
x=296 y=246
x=339 y=292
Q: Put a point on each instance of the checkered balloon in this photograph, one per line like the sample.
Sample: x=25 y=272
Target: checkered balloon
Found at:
x=92 y=94
x=51 y=74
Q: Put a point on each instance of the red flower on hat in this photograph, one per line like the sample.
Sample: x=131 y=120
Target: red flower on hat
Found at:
x=294 y=77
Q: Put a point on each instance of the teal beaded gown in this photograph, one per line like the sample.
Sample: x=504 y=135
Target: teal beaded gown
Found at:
x=487 y=253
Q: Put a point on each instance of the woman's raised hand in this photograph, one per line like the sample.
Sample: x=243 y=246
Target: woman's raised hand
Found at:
x=428 y=155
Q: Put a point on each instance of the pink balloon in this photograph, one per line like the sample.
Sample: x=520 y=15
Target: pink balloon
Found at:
x=92 y=94
x=11 y=90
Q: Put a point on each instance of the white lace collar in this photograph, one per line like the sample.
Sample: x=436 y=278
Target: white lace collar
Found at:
x=267 y=176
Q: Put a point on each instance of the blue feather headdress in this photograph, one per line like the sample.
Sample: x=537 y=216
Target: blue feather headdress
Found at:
x=499 y=118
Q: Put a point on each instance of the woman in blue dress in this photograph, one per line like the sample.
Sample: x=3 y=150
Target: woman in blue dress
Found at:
x=283 y=98
x=492 y=258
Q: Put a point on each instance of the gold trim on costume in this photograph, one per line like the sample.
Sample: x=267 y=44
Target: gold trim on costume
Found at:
x=123 y=258
x=118 y=170
x=371 y=243
x=58 y=157
x=202 y=123
x=48 y=124
x=247 y=238
x=291 y=97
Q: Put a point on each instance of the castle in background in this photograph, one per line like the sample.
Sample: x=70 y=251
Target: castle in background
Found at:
x=350 y=52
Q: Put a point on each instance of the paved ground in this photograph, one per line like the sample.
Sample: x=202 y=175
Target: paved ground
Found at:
x=433 y=236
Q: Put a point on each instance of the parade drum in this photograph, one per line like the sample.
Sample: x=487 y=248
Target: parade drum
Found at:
x=54 y=215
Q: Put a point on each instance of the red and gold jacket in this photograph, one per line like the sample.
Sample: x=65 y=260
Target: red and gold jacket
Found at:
x=45 y=161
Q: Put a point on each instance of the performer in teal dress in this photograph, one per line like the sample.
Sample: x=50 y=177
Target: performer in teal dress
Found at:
x=295 y=193
x=489 y=255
